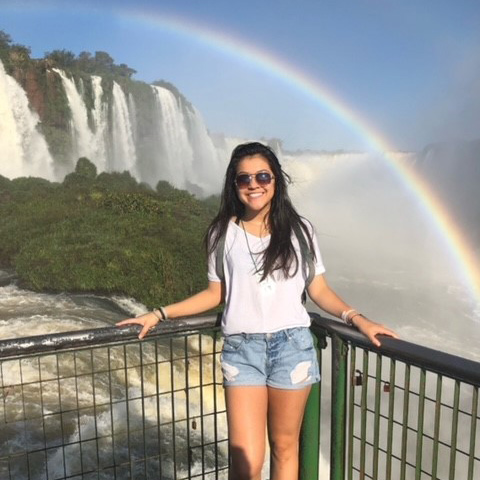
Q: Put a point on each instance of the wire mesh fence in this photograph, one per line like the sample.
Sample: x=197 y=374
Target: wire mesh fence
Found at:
x=123 y=409
x=101 y=404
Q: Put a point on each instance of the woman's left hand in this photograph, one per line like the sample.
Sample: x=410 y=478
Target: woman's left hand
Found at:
x=372 y=329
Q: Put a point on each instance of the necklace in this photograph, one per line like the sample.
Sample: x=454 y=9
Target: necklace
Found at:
x=257 y=270
x=267 y=285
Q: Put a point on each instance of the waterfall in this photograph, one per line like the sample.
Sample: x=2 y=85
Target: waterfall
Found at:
x=207 y=159
x=100 y=120
x=94 y=143
x=23 y=149
x=177 y=151
x=152 y=133
x=123 y=146
x=175 y=146
x=84 y=141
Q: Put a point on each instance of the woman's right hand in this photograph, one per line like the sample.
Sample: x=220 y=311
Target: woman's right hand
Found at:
x=147 y=321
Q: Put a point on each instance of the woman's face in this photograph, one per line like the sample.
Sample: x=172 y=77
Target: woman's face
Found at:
x=257 y=194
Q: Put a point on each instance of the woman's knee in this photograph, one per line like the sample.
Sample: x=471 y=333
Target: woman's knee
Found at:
x=284 y=448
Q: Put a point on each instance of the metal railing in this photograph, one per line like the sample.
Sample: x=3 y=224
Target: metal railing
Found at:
x=401 y=411
x=100 y=404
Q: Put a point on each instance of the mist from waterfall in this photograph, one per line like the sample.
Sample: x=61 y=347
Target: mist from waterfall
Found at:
x=383 y=252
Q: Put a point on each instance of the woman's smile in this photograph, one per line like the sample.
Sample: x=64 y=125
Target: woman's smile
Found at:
x=257 y=197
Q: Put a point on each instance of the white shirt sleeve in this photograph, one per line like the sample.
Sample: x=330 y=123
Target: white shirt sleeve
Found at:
x=212 y=267
x=319 y=265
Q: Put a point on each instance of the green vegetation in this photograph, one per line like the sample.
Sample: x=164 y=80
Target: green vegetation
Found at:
x=104 y=234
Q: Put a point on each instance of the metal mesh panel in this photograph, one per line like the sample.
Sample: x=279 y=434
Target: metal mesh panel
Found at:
x=406 y=422
x=102 y=405
x=127 y=410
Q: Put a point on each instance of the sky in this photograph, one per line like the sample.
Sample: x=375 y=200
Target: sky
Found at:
x=317 y=74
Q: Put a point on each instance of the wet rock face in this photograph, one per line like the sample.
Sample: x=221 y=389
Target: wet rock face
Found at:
x=35 y=93
x=45 y=93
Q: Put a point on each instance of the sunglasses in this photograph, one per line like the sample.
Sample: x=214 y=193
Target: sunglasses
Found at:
x=245 y=179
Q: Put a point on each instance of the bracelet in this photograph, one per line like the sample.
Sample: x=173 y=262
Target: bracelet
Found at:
x=164 y=313
x=356 y=315
x=158 y=314
x=345 y=316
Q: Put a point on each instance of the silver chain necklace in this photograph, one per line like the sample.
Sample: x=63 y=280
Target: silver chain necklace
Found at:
x=257 y=270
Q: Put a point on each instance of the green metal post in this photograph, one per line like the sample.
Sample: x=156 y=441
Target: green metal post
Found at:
x=339 y=409
x=310 y=435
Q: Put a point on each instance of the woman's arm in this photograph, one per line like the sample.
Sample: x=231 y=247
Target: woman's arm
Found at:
x=205 y=300
x=323 y=296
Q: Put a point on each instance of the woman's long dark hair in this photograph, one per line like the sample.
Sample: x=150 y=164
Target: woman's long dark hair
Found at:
x=280 y=253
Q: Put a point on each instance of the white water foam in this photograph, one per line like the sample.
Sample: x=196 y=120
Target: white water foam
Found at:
x=24 y=313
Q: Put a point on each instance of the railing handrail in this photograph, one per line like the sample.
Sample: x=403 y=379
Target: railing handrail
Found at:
x=344 y=401
x=80 y=338
x=446 y=364
x=443 y=363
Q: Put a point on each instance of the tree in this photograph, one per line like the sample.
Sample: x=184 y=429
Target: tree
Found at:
x=19 y=53
x=61 y=58
x=86 y=62
x=84 y=175
x=118 y=181
x=103 y=62
x=5 y=40
x=125 y=71
x=86 y=168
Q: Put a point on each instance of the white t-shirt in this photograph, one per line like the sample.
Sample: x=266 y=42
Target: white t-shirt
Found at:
x=252 y=306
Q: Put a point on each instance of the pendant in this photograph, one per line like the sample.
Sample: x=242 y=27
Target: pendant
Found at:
x=267 y=286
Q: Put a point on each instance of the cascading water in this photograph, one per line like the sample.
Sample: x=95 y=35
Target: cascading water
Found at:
x=163 y=139
x=84 y=142
x=132 y=108
x=24 y=151
x=100 y=117
x=94 y=143
x=176 y=166
x=124 y=156
x=207 y=160
x=33 y=314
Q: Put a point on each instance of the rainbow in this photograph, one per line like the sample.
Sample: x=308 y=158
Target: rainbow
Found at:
x=241 y=50
x=317 y=92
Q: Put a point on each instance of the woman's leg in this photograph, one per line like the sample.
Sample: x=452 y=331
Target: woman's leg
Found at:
x=247 y=418
x=285 y=414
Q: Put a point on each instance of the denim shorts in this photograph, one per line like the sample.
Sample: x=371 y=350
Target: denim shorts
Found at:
x=286 y=359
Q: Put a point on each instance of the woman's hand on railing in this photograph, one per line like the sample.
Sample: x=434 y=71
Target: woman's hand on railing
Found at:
x=371 y=329
x=147 y=321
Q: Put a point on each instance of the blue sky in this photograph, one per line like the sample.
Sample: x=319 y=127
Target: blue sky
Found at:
x=408 y=68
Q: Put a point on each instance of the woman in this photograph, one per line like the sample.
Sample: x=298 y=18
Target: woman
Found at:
x=268 y=359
